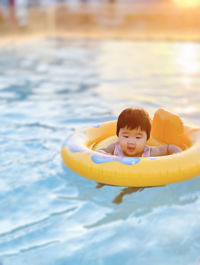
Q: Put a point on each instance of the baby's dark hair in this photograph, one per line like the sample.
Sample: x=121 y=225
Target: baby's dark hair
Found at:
x=134 y=118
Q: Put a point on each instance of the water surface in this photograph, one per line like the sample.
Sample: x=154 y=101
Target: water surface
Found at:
x=51 y=215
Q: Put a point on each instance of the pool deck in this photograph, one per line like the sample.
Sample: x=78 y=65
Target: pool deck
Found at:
x=162 y=21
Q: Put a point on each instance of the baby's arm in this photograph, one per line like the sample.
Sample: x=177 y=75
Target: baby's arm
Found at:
x=108 y=149
x=163 y=150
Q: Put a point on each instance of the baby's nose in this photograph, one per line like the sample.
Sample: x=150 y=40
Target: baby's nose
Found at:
x=132 y=140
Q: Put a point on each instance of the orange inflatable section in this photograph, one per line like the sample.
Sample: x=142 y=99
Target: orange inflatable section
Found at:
x=169 y=128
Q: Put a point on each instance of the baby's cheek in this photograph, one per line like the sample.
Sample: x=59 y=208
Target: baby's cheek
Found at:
x=123 y=142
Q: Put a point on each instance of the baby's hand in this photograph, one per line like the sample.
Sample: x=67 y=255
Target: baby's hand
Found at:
x=184 y=146
x=103 y=152
x=173 y=149
x=163 y=150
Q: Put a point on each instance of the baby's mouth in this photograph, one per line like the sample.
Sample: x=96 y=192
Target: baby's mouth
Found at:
x=131 y=149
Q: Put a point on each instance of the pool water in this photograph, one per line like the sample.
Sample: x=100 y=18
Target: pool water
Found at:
x=49 y=215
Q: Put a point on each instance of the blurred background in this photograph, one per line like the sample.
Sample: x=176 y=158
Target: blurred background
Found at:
x=144 y=19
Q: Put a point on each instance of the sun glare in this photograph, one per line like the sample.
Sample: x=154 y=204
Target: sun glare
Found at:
x=187 y=3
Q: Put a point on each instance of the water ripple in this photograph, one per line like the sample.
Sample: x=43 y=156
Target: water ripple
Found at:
x=49 y=214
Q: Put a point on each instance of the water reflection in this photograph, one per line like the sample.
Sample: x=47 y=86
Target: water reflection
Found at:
x=49 y=214
x=187 y=57
x=134 y=73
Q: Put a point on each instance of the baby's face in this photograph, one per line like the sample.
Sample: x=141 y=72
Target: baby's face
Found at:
x=132 y=141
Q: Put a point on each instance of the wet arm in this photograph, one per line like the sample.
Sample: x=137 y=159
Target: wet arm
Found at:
x=168 y=149
x=108 y=149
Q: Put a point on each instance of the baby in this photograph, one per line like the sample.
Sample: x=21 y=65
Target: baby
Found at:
x=133 y=131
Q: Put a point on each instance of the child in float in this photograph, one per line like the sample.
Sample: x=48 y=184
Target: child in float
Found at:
x=133 y=131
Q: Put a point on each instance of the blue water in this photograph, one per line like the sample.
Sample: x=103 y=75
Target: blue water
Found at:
x=48 y=214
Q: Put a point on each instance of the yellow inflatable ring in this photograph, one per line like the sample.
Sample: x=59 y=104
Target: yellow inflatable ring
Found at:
x=79 y=154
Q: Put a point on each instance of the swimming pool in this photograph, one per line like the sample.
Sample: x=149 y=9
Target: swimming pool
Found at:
x=49 y=214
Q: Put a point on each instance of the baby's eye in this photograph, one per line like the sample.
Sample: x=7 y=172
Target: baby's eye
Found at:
x=138 y=137
x=125 y=136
